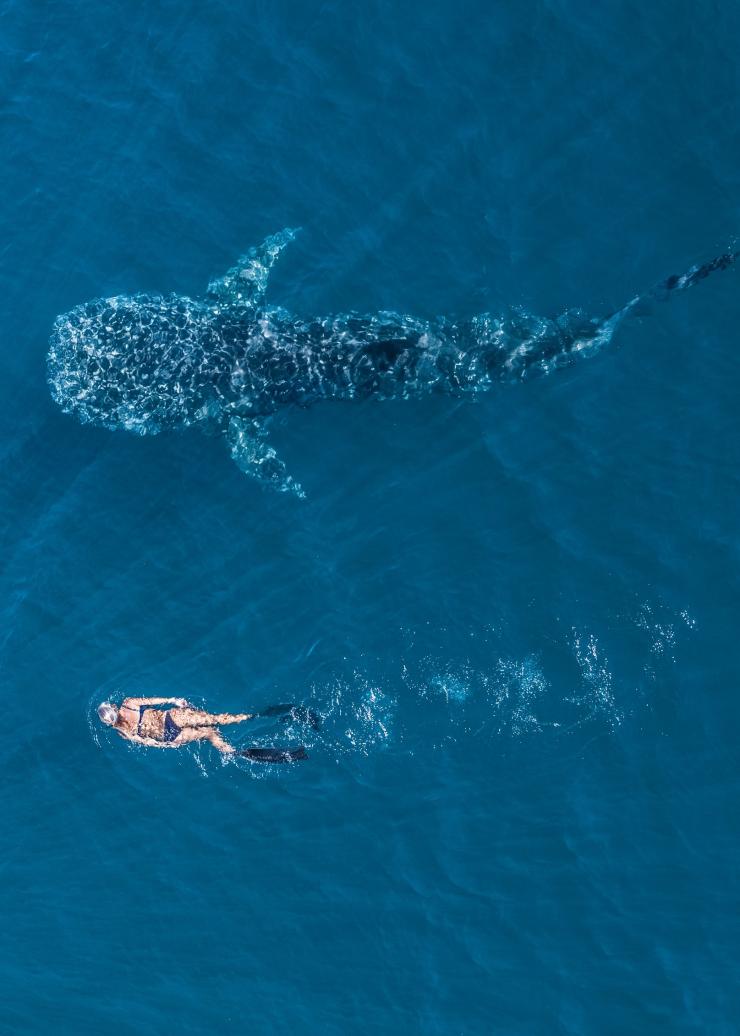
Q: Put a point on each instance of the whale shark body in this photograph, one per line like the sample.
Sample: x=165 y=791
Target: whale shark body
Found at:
x=146 y=363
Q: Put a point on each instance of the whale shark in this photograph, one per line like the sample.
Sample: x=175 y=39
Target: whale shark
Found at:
x=227 y=361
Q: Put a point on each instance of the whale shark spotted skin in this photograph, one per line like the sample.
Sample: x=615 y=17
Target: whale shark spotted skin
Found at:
x=146 y=363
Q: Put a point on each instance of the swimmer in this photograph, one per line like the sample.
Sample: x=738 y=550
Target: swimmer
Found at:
x=142 y=721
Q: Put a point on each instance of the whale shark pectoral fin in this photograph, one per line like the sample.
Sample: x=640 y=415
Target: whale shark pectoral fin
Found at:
x=253 y=453
x=245 y=283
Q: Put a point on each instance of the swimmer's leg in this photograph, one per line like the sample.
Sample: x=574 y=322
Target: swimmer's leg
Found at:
x=200 y=718
x=257 y=755
x=189 y=734
x=231 y=717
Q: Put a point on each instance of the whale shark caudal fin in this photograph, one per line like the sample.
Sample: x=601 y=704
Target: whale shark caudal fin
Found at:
x=253 y=453
x=641 y=304
x=243 y=286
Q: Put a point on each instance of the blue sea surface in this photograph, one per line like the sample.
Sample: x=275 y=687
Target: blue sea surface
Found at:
x=518 y=617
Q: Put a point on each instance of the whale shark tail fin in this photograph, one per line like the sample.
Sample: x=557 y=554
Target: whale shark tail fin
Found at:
x=253 y=453
x=577 y=336
x=694 y=275
x=243 y=286
x=662 y=291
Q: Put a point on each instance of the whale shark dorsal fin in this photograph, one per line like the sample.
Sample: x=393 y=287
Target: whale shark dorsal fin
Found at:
x=244 y=284
x=253 y=453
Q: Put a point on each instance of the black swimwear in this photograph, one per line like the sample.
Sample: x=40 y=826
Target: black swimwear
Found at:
x=171 y=730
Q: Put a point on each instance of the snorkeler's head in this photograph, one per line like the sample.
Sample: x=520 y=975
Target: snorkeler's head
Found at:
x=108 y=713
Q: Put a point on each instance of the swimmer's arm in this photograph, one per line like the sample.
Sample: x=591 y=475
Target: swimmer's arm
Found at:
x=135 y=703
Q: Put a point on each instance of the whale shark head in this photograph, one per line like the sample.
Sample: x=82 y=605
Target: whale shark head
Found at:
x=149 y=362
x=142 y=363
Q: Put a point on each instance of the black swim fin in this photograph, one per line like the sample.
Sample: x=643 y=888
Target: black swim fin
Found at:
x=274 y=755
x=297 y=713
x=275 y=710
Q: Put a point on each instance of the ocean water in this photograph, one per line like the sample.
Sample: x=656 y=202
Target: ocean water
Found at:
x=517 y=616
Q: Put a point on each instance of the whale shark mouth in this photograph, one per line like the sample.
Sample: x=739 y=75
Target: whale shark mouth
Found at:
x=139 y=363
x=87 y=365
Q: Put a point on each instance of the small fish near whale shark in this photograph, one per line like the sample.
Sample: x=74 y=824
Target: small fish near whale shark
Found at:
x=147 y=363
